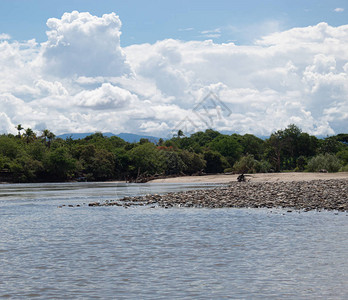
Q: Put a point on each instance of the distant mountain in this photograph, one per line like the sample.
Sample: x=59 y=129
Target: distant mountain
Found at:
x=262 y=137
x=135 y=138
x=74 y=136
x=128 y=137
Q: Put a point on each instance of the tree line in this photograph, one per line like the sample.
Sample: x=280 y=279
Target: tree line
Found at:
x=31 y=157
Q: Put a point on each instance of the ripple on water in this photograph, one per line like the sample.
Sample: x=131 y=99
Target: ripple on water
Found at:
x=109 y=253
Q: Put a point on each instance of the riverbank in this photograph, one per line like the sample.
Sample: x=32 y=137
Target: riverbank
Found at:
x=259 y=177
x=330 y=194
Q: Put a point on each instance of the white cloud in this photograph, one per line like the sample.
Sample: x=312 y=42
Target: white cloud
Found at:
x=187 y=29
x=105 y=97
x=339 y=9
x=4 y=36
x=82 y=44
x=5 y=124
x=214 y=33
x=82 y=80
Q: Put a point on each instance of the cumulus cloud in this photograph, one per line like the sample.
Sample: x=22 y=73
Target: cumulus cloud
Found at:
x=82 y=44
x=5 y=124
x=81 y=80
x=106 y=97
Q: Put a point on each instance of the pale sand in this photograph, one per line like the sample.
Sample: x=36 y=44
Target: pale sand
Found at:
x=261 y=177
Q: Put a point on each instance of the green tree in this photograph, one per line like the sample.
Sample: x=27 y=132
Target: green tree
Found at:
x=103 y=165
x=25 y=168
x=284 y=147
x=180 y=134
x=228 y=147
x=189 y=144
x=193 y=162
x=246 y=164
x=10 y=147
x=122 y=163
x=59 y=164
x=343 y=156
x=36 y=150
x=29 y=135
x=173 y=162
x=204 y=138
x=47 y=136
x=147 y=159
x=215 y=162
x=143 y=141
x=301 y=163
x=274 y=147
x=19 y=128
x=252 y=145
x=329 y=145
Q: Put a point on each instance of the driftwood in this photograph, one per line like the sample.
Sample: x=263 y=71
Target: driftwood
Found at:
x=241 y=178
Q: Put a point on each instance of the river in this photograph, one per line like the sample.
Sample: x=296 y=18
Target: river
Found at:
x=47 y=252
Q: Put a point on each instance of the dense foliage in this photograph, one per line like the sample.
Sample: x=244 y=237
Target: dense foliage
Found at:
x=27 y=157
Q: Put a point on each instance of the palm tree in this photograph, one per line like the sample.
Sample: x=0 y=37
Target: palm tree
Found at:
x=19 y=128
x=180 y=134
x=29 y=135
x=50 y=137
x=47 y=135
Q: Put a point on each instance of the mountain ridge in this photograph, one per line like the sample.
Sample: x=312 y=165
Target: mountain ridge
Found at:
x=128 y=137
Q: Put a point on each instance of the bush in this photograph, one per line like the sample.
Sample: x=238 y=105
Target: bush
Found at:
x=343 y=156
x=300 y=163
x=344 y=169
x=326 y=161
x=247 y=164
x=264 y=167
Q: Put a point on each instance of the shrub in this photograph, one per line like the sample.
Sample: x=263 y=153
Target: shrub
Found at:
x=326 y=161
x=228 y=170
x=264 y=166
x=300 y=163
x=344 y=169
x=343 y=156
x=247 y=164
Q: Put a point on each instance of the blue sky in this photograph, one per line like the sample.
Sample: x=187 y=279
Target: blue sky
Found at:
x=240 y=21
x=271 y=62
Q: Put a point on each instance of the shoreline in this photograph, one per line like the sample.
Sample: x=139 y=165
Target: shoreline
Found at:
x=329 y=194
x=257 y=177
x=223 y=178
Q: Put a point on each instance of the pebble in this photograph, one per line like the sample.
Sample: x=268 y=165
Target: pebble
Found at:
x=307 y=195
x=296 y=195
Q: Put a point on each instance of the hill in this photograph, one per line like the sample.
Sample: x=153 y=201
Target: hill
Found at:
x=128 y=137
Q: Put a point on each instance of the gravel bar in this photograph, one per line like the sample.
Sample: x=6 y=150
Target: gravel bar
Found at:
x=306 y=195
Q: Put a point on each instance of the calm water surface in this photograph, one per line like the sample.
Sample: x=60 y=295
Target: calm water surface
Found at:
x=48 y=252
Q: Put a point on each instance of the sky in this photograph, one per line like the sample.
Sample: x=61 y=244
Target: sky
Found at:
x=154 y=67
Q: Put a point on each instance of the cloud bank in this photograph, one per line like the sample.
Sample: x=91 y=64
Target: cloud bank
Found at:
x=81 y=79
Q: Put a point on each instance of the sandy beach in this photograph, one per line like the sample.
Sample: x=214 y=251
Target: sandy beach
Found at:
x=260 y=177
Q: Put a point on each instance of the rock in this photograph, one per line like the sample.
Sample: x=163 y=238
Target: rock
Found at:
x=299 y=195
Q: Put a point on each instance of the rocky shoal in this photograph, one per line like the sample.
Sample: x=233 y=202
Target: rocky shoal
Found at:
x=306 y=195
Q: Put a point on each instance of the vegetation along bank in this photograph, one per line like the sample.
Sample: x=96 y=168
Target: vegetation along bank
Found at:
x=36 y=157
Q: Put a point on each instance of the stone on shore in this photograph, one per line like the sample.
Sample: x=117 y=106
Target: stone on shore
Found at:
x=307 y=195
